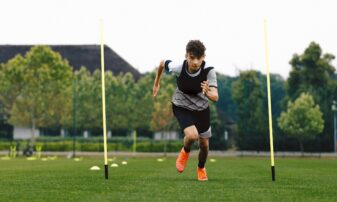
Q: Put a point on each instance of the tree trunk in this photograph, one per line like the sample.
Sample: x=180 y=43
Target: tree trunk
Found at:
x=33 y=126
x=301 y=147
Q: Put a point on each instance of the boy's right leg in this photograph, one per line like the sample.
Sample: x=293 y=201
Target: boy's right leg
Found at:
x=191 y=135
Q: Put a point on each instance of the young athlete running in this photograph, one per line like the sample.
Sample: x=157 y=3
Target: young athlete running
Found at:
x=196 y=84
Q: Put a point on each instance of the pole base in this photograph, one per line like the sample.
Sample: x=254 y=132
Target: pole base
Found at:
x=273 y=173
x=106 y=171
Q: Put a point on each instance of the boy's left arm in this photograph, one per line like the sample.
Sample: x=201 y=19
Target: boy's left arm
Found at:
x=212 y=94
x=210 y=91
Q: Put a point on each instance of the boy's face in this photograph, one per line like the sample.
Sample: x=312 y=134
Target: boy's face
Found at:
x=194 y=63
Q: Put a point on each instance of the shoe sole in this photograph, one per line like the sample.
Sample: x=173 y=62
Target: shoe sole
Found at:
x=180 y=171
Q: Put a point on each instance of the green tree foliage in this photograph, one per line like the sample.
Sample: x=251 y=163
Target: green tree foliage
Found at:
x=128 y=103
x=226 y=105
x=11 y=82
x=310 y=70
x=303 y=119
x=218 y=127
x=120 y=102
x=144 y=106
x=313 y=72
x=252 y=125
x=37 y=86
x=277 y=88
x=88 y=101
x=225 y=113
x=162 y=116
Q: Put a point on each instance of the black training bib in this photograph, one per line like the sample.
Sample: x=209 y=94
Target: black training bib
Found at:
x=189 y=84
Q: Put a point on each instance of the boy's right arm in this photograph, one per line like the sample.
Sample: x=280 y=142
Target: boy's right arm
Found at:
x=156 y=84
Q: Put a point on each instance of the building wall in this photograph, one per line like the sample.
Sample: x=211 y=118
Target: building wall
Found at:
x=23 y=133
x=170 y=135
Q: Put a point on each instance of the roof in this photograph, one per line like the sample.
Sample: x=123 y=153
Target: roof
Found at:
x=78 y=55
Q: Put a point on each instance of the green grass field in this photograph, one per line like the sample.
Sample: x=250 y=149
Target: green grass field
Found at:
x=145 y=179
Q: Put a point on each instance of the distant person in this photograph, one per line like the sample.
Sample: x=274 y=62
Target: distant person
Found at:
x=196 y=84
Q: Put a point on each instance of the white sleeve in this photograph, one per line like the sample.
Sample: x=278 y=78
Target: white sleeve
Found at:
x=173 y=67
x=211 y=78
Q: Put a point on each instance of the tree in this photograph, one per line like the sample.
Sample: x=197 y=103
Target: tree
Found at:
x=11 y=82
x=120 y=101
x=248 y=93
x=277 y=88
x=303 y=119
x=218 y=128
x=226 y=105
x=144 y=105
x=162 y=116
x=313 y=72
x=310 y=70
x=88 y=103
x=39 y=82
x=226 y=111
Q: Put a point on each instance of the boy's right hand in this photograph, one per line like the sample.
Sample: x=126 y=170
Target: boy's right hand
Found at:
x=155 y=90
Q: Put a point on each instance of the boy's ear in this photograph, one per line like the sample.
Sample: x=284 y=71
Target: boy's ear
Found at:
x=186 y=55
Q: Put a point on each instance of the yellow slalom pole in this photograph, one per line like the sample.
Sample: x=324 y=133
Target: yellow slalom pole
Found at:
x=103 y=105
x=269 y=105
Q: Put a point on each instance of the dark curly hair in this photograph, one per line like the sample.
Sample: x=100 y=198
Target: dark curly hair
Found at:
x=196 y=48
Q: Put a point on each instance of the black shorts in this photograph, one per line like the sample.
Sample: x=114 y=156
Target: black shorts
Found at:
x=201 y=120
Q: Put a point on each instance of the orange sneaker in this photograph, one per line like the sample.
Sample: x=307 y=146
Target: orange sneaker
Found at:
x=182 y=160
x=202 y=175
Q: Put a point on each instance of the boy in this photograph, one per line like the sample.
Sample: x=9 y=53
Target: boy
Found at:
x=196 y=82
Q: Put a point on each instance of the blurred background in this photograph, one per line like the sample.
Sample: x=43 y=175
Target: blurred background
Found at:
x=51 y=96
x=50 y=90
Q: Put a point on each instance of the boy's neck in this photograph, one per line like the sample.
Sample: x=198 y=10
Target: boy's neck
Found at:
x=191 y=71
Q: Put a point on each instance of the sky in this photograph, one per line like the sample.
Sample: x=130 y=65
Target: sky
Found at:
x=143 y=32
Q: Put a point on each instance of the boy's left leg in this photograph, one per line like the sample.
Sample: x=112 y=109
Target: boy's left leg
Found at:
x=203 y=153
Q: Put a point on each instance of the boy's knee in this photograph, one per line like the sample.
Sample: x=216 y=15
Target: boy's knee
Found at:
x=191 y=135
x=203 y=144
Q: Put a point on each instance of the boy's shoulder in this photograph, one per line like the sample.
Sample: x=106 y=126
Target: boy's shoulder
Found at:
x=208 y=65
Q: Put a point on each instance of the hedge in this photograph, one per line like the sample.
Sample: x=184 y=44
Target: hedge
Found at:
x=125 y=145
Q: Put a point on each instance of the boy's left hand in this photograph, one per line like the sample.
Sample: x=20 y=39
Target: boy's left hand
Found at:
x=204 y=87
